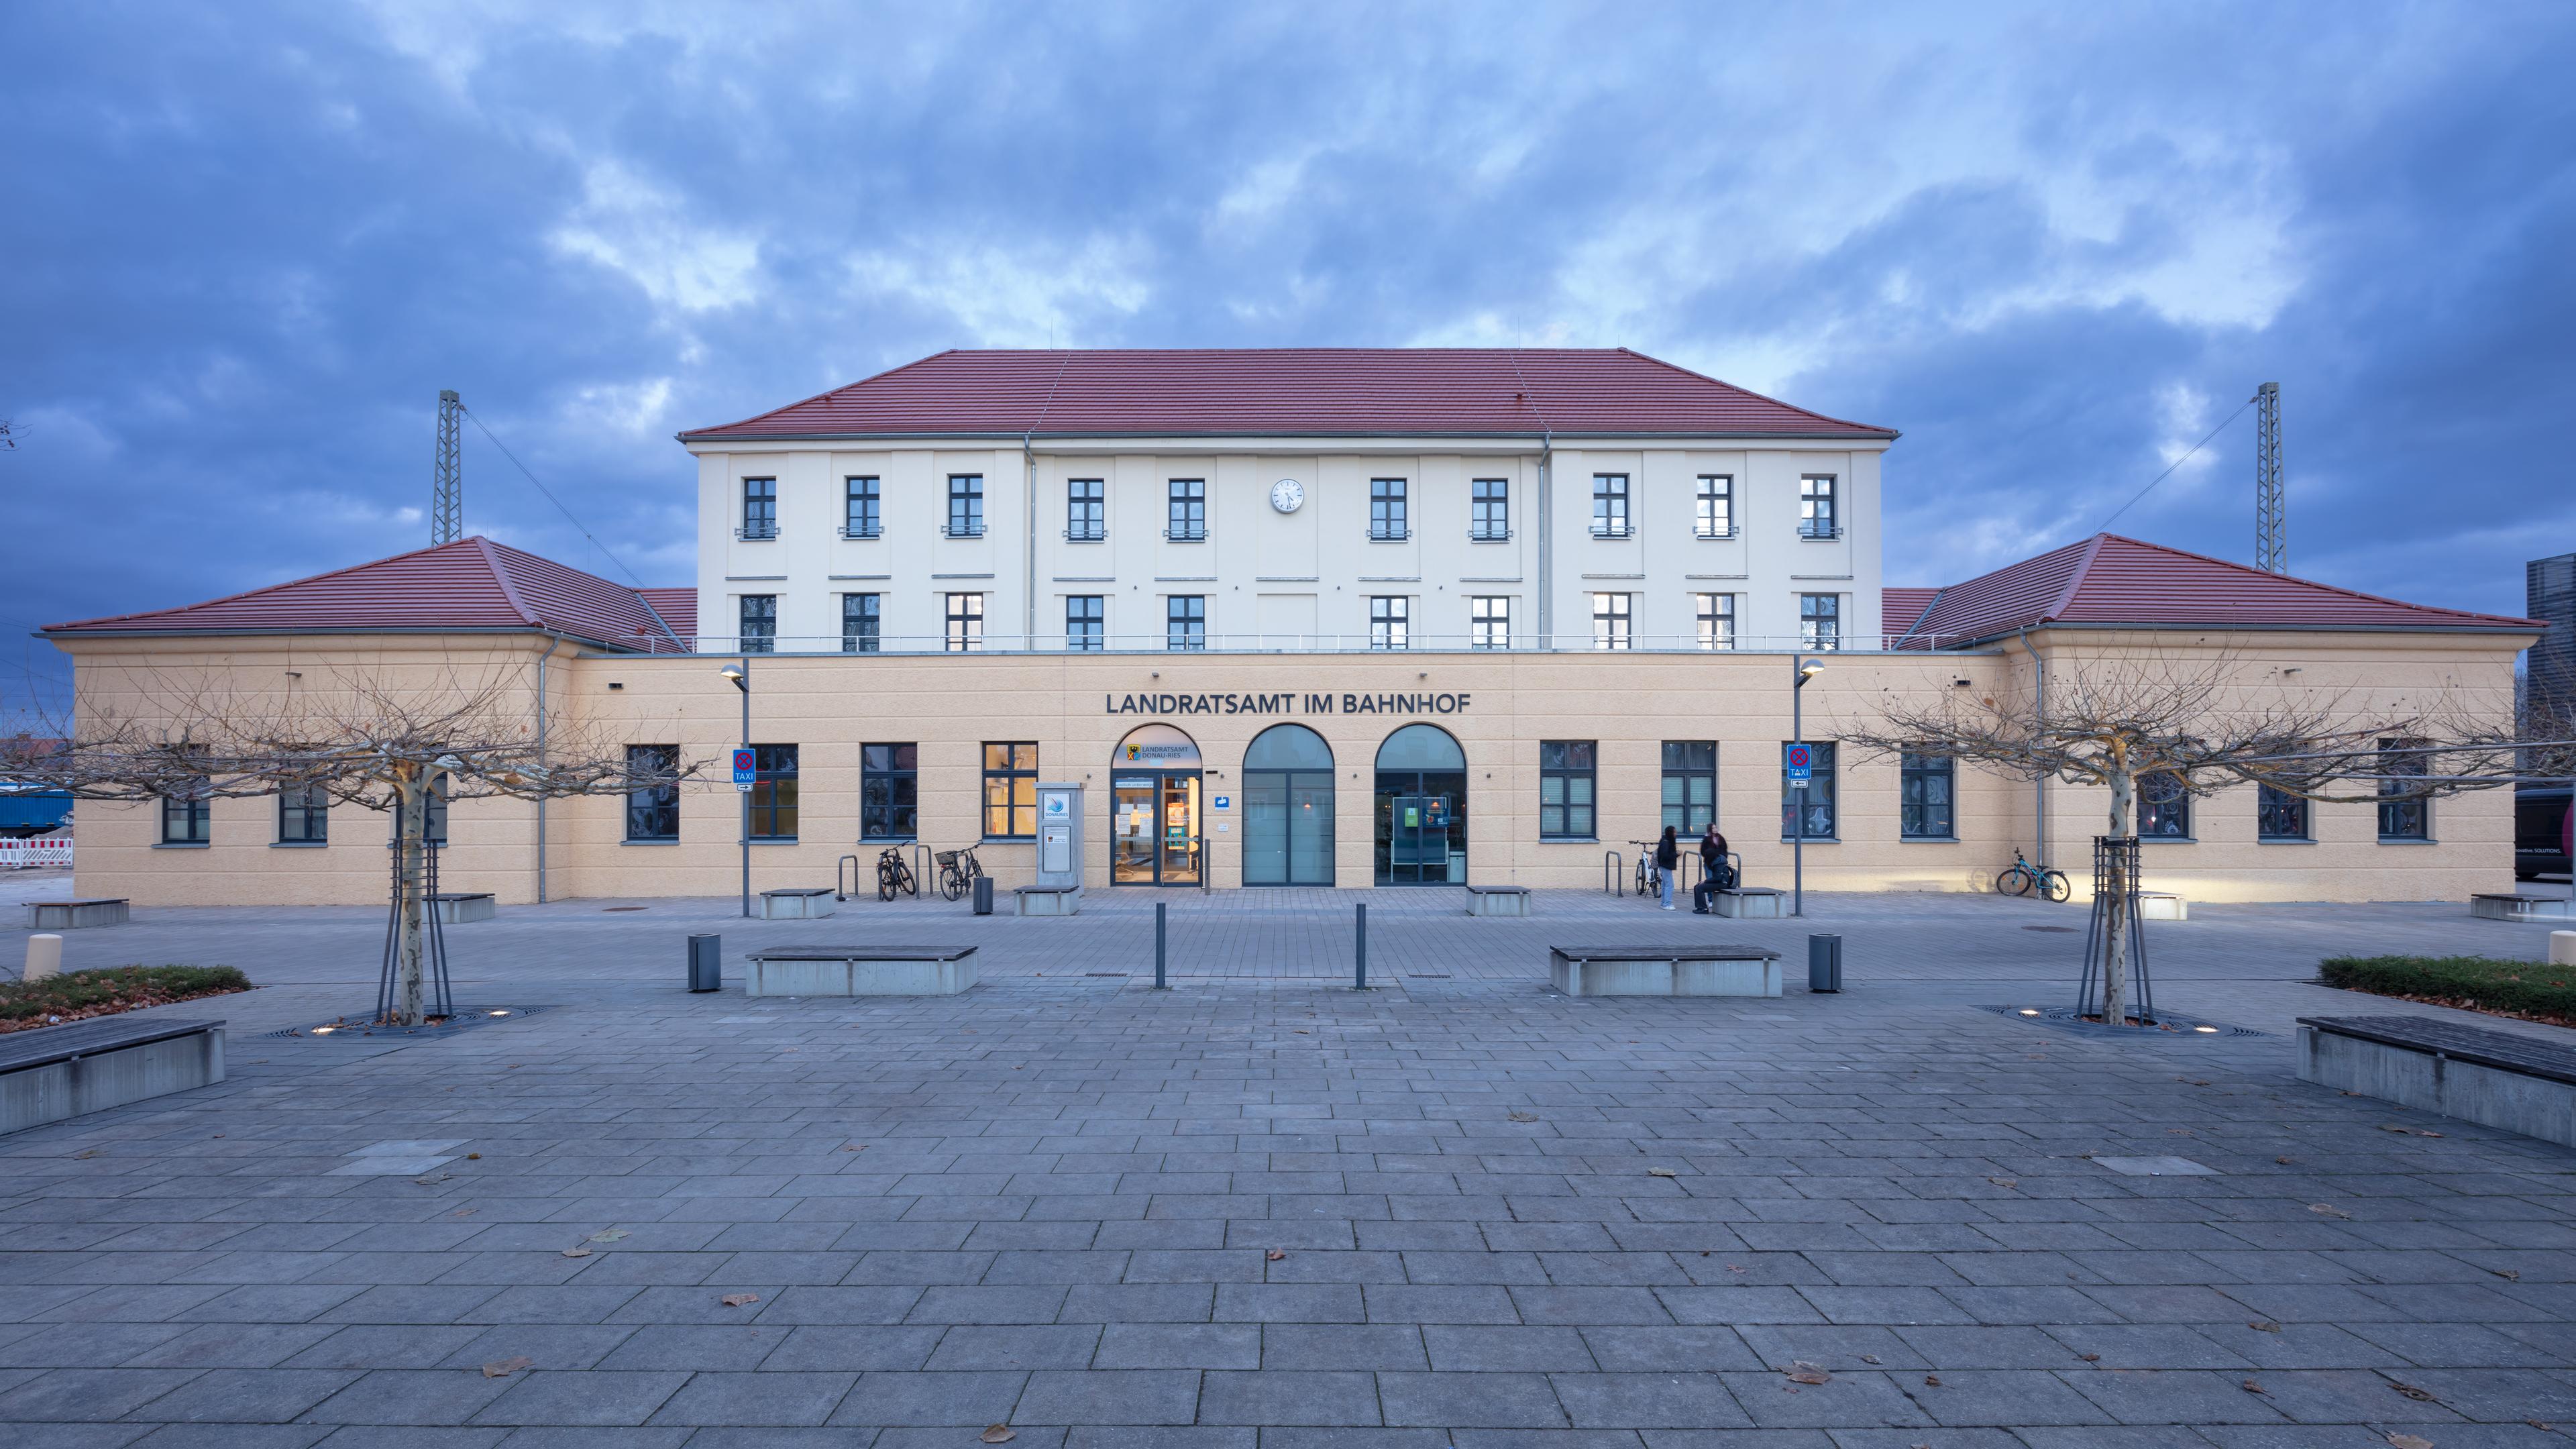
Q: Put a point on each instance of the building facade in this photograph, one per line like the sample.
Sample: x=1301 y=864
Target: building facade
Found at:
x=1290 y=620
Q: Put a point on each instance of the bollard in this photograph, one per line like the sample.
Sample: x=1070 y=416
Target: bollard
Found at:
x=2562 y=950
x=1362 y=983
x=983 y=895
x=706 y=963
x=44 y=957
x=1159 y=983
x=1824 y=963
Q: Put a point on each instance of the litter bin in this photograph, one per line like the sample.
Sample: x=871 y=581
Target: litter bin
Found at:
x=1824 y=963
x=706 y=963
x=983 y=895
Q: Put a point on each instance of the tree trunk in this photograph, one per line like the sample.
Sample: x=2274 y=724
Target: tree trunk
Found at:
x=411 y=845
x=2115 y=912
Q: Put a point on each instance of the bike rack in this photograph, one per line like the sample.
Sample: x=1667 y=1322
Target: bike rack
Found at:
x=920 y=870
x=1611 y=884
x=838 y=893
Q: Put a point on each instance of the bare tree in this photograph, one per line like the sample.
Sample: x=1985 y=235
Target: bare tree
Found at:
x=2195 y=725
x=362 y=739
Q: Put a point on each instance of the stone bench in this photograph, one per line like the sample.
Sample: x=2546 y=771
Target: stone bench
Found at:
x=54 y=1072
x=2162 y=906
x=1498 y=900
x=2498 y=907
x=72 y=915
x=1047 y=901
x=1665 y=970
x=459 y=907
x=1753 y=903
x=804 y=903
x=859 y=971
x=2498 y=1079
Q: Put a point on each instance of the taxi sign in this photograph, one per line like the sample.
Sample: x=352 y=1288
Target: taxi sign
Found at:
x=746 y=767
x=1801 y=762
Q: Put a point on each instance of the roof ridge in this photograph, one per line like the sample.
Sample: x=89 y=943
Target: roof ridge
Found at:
x=1929 y=605
x=501 y=577
x=2308 y=582
x=2075 y=577
x=1748 y=392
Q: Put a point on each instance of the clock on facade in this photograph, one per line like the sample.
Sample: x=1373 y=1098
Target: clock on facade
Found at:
x=1286 y=494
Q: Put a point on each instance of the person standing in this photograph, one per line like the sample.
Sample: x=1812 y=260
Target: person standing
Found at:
x=1713 y=873
x=1668 y=860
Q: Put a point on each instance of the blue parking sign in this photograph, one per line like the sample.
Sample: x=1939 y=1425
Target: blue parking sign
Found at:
x=746 y=768
x=1801 y=763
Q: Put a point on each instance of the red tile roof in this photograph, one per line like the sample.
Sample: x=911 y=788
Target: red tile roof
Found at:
x=2114 y=581
x=1303 y=391
x=471 y=585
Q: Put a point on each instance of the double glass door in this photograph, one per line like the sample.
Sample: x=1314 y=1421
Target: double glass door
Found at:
x=1421 y=827
x=1288 y=827
x=1154 y=828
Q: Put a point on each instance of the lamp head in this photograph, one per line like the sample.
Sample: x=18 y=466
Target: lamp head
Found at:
x=1810 y=669
x=734 y=673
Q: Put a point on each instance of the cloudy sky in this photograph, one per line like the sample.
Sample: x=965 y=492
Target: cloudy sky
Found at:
x=246 y=244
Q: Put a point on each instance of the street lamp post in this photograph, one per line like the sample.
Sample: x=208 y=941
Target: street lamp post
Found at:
x=740 y=674
x=1806 y=669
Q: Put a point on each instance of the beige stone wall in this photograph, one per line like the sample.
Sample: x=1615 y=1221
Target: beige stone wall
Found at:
x=829 y=705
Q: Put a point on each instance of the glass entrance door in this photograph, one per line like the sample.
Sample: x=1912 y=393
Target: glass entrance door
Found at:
x=1154 y=829
x=1421 y=827
x=1288 y=827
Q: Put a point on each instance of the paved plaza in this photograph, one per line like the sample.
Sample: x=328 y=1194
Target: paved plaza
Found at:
x=1262 y=1209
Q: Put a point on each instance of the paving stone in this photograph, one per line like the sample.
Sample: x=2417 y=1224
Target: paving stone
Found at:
x=253 y=1396
x=411 y=1397
x=1288 y=1397
x=756 y=1399
x=595 y=1397
x=1175 y=1345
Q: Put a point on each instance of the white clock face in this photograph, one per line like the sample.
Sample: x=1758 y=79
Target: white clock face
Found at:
x=1287 y=494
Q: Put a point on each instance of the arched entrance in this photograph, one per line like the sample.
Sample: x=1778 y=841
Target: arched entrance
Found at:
x=1288 y=808
x=1421 y=808
x=1154 y=826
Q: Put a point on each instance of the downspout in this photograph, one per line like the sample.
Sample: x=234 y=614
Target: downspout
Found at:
x=1546 y=537
x=2039 y=783
x=553 y=642
x=1029 y=577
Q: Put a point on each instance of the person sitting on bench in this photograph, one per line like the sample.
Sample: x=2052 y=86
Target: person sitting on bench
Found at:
x=1715 y=874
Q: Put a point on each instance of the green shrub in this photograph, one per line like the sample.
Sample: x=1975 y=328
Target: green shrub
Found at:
x=2530 y=988
x=116 y=988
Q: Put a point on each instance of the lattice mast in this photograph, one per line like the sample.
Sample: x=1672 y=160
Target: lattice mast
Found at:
x=2271 y=508
x=447 y=490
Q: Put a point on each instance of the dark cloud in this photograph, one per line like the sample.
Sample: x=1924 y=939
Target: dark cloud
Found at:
x=247 y=245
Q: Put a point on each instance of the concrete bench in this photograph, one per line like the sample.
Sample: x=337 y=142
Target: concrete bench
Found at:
x=54 y=1072
x=2498 y=907
x=458 y=907
x=1047 y=901
x=804 y=903
x=2497 y=1079
x=1665 y=970
x=1753 y=903
x=859 y=971
x=1498 y=900
x=72 y=915
x=2162 y=906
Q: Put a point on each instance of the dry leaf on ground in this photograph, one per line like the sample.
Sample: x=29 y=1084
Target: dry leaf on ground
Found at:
x=576 y=1252
x=2252 y=1387
x=2005 y=1181
x=2421 y=1396
x=2264 y=1325
x=506 y=1367
x=1524 y=1116
x=1803 y=1372
x=2328 y=1210
x=1931 y=1381
x=1276 y=1254
x=2510 y=1275
x=2090 y=1357
x=2409 y=1441
x=608 y=1235
x=738 y=1300
x=1869 y=1358
x=1661 y=1172
x=997 y=1434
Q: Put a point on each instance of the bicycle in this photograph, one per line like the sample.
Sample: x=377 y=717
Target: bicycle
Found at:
x=893 y=876
x=957 y=871
x=1650 y=877
x=2018 y=878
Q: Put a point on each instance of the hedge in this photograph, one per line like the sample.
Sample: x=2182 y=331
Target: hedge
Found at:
x=77 y=994
x=2520 y=988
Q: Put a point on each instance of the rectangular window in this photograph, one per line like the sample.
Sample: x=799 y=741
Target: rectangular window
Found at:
x=1923 y=798
x=1489 y=619
x=1816 y=507
x=965 y=623
x=1389 y=614
x=1085 y=618
x=1817 y=799
x=759 y=623
x=1690 y=785
x=1609 y=505
x=1188 y=520
x=2279 y=815
x=1086 y=510
x=965 y=505
x=773 y=792
x=1716 y=506
x=1185 y=621
x=859 y=517
x=889 y=792
x=1492 y=520
x=1010 y=792
x=862 y=616
x=303 y=815
x=1820 y=621
x=653 y=809
x=1610 y=619
x=1716 y=621
x=1565 y=804
x=759 y=508
x=185 y=819
x=1386 y=509
x=2164 y=807
x=2401 y=818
